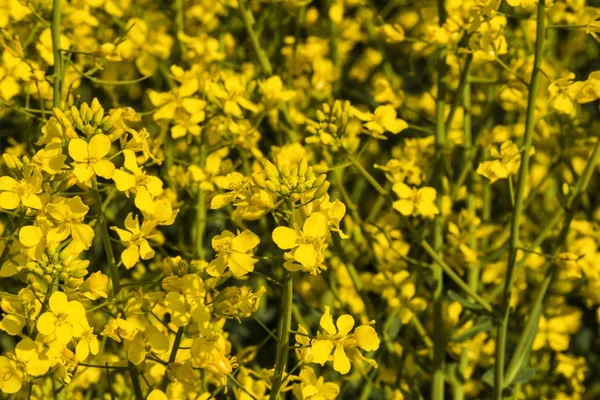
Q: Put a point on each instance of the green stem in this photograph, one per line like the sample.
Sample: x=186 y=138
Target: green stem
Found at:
x=439 y=340
x=458 y=391
x=285 y=323
x=176 y=343
x=499 y=382
x=248 y=20
x=114 y=272
x=58 y=73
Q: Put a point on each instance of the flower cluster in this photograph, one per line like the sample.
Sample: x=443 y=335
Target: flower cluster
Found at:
x=299 y=199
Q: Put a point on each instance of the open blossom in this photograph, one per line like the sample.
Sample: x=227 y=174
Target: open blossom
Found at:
x=337 y=339
x=24 y=192
x=65 y=319
x=18 y=367
x=416 y=202
x=135 y=238
x=235 y=252
x=306 y=246
x=89 y=158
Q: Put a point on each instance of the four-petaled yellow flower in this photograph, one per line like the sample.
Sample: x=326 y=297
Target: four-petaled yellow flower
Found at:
x=381 y=121
x=89 y=158
x=235 y=252
x=416 y=202
x=24 y=364
x=135 y=238
x=338 y=336
x=66 y=319
x=146 y=187
x=24 y=192
x=67 y=217
x=306 y=246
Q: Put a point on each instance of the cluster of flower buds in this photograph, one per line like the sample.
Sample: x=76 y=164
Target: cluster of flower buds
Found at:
x=330 y=124
x=87 y=119
x=293 y=180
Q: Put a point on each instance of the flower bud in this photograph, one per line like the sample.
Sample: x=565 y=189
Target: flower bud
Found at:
x=322 y=190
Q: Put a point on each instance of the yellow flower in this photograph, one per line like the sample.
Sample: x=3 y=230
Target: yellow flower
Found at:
x=306 y=246
x=157 y=395
x=273 y=91
x=24 y=192
x=567 y=262
x=556 y=331
x=235 y=252
x=150 y=340
x=67 y=216
x=94 y=287
x=392 y=33
x=32 y=237
x=135 y=180
x=383 y=120
x=233 y=96
x=415 y=201
x=65 y=318
x=179 y=106
x=313 y=388
x=89 y=158
x=23 y=365
x=338 y=336
x=136 y=240
x=87 y=344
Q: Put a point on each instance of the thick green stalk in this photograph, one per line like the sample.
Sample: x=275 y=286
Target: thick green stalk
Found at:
x=58 y=73
x=176 y=343
x=439 y=340
x=248 y=20
x=526 y=338
x=108 y=250
x=458 y=392
x=285 y=324
x=530 y=121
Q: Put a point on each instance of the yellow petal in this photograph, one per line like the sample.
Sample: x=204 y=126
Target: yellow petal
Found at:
x=344 y=324
x=130 y=256
x=104 y=168
x=99 y=146
x=341 y=362
x=315 y=226
x=326 y=322
x=30 y=235
x=245 y=241
x=321 y=350
x=123 y=180
x=285 y=238
x=58 y=302
x=306 y=254
x=78 y=150
x=366 y=338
